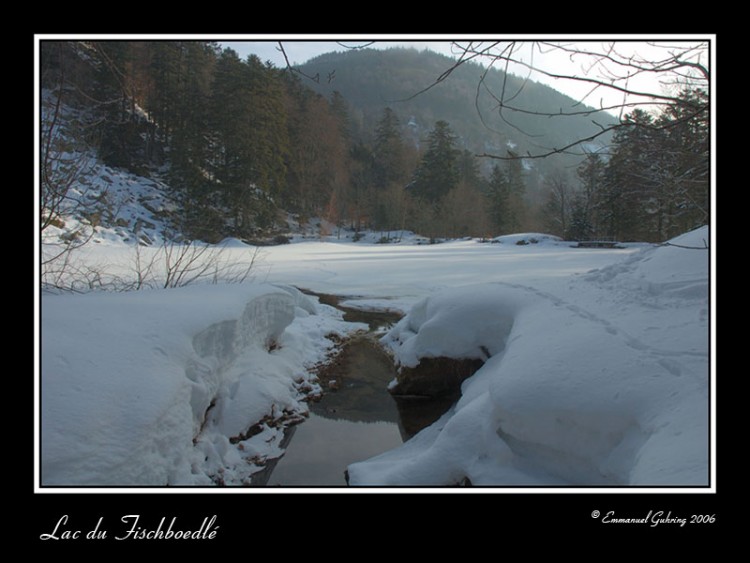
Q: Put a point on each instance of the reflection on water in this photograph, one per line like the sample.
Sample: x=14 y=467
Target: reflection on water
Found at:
x=322 y=448
x=356 y=382
x=356 y=419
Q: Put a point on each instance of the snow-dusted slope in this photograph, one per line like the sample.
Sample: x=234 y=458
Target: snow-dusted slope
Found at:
x=604 y=380
x=148 y=387
x=94 y=201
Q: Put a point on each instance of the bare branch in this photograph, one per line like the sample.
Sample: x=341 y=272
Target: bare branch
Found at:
x=612 y=84
x=466 y=55
x=605 y=69
x=562 y=150
x=290 y=68
x=355 y=47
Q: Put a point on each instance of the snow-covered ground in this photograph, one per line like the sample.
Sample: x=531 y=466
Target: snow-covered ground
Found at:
x=148 y=387
x=604 y=380
x=599 y=371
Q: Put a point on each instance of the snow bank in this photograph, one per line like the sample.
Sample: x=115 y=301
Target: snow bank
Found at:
x=527 y=238
x=232 y=242
x=604 y=381
x=148 y=387
x=455 y=324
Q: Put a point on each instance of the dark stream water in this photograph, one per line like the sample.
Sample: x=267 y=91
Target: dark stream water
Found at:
x=355 y=419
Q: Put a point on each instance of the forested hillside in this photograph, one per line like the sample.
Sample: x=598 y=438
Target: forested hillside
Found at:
x=349 y=137
x=414 y=83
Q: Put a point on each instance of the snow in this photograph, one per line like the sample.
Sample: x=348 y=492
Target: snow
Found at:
x=604 y=381
x=598 y=368
x=455 y=324
x=128 y=380
x=528 y=238
x=123 y=202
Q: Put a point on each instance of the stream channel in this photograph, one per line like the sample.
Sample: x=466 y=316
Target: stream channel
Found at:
x=356 y=418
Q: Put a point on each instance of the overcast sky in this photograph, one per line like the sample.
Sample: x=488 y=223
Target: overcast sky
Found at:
x=552 y=60
x=300 y=52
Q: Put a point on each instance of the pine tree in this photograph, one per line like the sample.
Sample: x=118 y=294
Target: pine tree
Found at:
x=629 y=182
x=340 y=110
x=190 y=143
x=437 y=173
x=388 y=151
x=344 y=200
x=682 y=176
x=120 y=138
x=388 y=174
x=269 y=142
x=583 y=217
x=516 y=192
x=165 y=71
x=230 y=124
x=505 y=194
x=558 y=208
x=319 y=158
x=498 y=195
x=250 y=139
x=468 y=170
x=656 y=183
x=463 y=211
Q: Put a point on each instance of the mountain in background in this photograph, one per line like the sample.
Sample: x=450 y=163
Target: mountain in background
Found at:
x=400 y=78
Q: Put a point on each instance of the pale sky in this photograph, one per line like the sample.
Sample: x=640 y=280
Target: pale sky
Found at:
x=301 y=51
x=549 y=59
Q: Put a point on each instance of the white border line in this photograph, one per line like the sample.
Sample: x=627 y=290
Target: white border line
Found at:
x=367 y=490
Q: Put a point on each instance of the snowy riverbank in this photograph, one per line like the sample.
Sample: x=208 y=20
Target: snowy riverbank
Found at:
x=599 y=367
x=605 y=381
x=148 y=387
